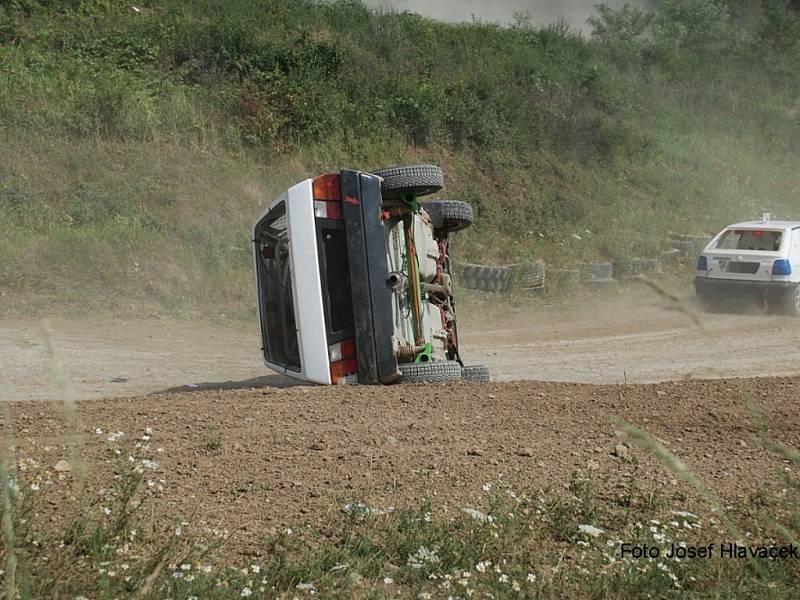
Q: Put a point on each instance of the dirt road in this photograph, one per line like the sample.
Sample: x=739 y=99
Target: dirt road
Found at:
x=630 y=336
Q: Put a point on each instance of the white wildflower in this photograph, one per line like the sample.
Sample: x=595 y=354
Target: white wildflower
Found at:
x=683 y=513
x=246 y=592
x=422 y=557
x=478 y=515
x=590 y=530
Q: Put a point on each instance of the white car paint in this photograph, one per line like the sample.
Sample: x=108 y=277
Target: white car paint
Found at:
x=306 y=285
x=719 y=259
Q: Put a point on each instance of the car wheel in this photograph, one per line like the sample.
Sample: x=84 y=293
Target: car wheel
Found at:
x=410 y=180
x=430 y=372
x=475 y=374
x=792 y=302
x=709 y=304
x=449 y=215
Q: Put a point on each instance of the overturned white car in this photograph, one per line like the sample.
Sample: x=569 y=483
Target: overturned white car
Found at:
x=355 y=281
x=753 y=261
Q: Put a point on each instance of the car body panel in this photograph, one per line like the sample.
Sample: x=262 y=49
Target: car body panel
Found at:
x=308 y=307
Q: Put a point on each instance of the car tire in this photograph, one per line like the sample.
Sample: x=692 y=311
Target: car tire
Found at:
x=475 y=374
x=410 y=180
x=449 y=215
x=710 y=304
x=791 y=304
x=430 y=372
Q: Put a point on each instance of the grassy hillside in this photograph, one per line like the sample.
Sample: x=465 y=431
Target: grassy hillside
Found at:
x=138 y=145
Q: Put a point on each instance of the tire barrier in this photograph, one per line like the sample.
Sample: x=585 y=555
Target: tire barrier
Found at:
x=528 y=276
x=597 y=273
x=636 y=268
x=650 y=266
x=689 y=245
x=628 y=269
x=532 y=277
x=483 y=277
x=565 y=278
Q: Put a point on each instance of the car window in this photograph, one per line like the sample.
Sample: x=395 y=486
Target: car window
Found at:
x=750 y=239
x=275 y=283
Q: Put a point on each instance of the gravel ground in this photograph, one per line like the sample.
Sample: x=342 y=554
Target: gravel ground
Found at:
x=255 y=460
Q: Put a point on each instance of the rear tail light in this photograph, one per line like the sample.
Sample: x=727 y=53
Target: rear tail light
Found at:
x=326 y=187
x=702 y=264
x=343 y=349
x=343 y=359
x=327 y=197
x=782 y=267
x=328 y=210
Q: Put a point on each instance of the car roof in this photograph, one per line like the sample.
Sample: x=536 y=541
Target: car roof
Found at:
x=766 y=225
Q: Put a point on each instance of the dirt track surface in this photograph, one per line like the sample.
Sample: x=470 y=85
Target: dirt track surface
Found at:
x=253 y=461
x=630 y=336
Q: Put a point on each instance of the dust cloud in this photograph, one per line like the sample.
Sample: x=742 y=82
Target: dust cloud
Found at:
x=542 y=12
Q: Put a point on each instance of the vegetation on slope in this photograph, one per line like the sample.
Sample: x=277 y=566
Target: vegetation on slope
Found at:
x=140 y=142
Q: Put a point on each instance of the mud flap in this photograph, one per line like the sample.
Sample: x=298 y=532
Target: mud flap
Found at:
x=366 y=247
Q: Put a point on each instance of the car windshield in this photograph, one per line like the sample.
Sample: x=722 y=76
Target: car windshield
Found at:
x=750 y=239
x=275 y=287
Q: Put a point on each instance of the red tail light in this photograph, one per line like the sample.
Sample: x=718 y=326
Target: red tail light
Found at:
x=327 y=197
x=343 y=368
x=343 y=359
x=326 y=187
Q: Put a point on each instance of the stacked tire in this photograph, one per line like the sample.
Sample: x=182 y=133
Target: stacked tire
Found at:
x=598 y=273
x=529 y=277
x=484 y=278
x=689 y=245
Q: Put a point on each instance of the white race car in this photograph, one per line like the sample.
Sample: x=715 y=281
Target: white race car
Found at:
x=756 y=260
x=355 y=282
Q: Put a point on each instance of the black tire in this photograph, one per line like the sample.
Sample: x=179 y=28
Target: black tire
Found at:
x=710 y=304
x=598 y=272
x=475 y=374
x=410 y=180
x=430 y=372
x=483 y=277
x=449 y=215
x=529 y=275
x=791 y=304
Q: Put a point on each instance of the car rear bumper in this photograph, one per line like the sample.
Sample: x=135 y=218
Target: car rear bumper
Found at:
x=725 y=288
